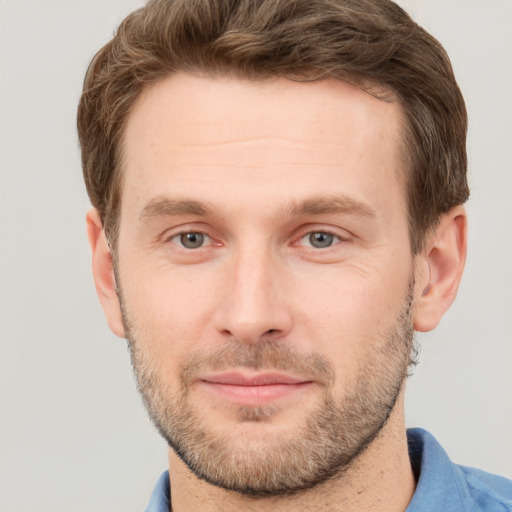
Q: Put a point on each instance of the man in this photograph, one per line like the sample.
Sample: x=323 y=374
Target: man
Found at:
x=277 y=189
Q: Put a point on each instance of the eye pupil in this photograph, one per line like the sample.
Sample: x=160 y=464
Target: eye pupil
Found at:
x=321 y=240
x=192 y=240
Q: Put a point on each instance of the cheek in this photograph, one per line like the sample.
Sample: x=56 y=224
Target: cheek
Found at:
x=345 y=310
x=170 y=308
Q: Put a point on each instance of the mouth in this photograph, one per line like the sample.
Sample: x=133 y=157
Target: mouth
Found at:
x=253 y=390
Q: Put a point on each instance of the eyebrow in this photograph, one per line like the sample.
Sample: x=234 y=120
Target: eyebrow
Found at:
x=330 y=205
x=168 y=207
x=324 y=205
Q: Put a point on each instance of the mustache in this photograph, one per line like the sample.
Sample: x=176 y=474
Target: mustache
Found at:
x=264 y=355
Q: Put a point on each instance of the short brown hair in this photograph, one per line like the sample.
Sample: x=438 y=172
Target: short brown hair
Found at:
x=357 y=41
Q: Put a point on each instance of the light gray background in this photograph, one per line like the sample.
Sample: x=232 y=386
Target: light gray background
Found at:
x=73 y=435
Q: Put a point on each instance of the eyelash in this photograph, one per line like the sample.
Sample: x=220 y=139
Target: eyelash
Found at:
x=337 y=238
x=177 y=239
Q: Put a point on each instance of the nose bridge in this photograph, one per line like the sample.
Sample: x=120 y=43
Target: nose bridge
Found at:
x=255 y=302
x=253 y=278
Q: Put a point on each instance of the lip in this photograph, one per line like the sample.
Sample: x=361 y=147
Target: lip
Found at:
x=253 y=390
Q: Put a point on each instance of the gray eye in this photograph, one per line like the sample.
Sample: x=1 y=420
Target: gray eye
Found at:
x=192 y=240
x=320 y=239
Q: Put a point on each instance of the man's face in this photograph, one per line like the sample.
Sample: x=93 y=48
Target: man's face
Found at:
x=265 y=274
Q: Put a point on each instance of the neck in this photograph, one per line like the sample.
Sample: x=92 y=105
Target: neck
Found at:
x=380 y=479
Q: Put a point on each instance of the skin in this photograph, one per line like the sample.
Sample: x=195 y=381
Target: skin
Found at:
x=253 y=153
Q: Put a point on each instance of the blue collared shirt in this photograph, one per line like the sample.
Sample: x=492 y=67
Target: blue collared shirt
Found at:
x=442 y=485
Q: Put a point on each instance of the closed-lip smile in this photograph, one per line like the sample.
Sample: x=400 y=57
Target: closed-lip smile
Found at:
x=253 y=389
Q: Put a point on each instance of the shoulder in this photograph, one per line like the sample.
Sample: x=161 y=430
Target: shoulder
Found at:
x=443 y=485
x=490 y=492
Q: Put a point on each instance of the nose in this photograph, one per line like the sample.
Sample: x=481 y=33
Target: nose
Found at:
x=254 y=304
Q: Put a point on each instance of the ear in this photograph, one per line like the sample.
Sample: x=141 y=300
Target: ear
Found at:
x=439 y=269
x=103 y=273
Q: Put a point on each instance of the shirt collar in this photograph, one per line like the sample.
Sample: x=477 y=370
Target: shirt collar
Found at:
x=440 y=483
x=160 y=498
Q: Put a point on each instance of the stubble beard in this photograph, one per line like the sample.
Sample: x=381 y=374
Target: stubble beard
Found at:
x=333 y=435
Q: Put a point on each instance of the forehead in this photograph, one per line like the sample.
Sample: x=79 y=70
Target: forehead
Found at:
x=192 y=134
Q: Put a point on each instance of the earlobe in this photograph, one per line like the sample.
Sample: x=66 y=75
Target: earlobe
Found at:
x=439 y=269
x=103 y=273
